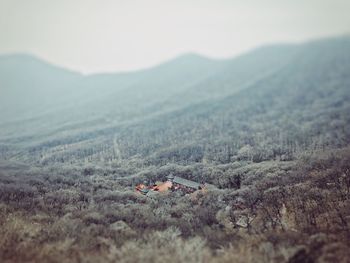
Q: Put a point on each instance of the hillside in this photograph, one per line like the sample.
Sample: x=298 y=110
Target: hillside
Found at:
x=188 y=104
x=270 y=129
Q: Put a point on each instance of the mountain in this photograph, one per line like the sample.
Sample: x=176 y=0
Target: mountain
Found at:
x=267 y=134
x=180 y=110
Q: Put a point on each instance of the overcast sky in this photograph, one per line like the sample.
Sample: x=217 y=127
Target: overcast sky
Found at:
x=119 y=35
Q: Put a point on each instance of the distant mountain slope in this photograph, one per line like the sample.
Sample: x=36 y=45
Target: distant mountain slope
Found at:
x=273 y=102
x=29 y=85
x=303 y=105
x=34 y=92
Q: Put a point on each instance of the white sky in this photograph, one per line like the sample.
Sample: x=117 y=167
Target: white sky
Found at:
x=119 y=35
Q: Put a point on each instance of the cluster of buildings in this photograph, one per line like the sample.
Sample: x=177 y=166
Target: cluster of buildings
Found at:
x=173 y=183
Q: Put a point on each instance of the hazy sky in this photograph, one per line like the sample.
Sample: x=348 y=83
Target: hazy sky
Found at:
x=115 y=35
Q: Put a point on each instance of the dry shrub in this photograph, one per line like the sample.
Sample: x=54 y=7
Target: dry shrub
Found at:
x=165 y=246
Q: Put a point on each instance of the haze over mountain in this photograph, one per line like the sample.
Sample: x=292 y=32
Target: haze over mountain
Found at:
x=266 y=135
x=178 y=102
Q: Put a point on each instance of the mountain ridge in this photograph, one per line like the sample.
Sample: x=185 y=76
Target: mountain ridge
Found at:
x=178 y=103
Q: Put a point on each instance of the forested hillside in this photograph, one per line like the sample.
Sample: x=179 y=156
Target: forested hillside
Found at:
x=277 y=101
x=270 y=129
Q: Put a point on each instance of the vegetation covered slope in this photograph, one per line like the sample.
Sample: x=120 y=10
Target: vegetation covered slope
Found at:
x=270 y=129
x=282 y=101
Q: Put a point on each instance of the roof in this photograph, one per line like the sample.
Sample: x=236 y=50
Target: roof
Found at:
x=144 y=191
x=163 y=187
x=185 y=182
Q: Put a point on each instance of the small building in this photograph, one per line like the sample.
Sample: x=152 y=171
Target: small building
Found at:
x=184 y=184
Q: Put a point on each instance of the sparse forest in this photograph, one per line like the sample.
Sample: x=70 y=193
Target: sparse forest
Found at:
x=271 y=211
x=269 y=129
